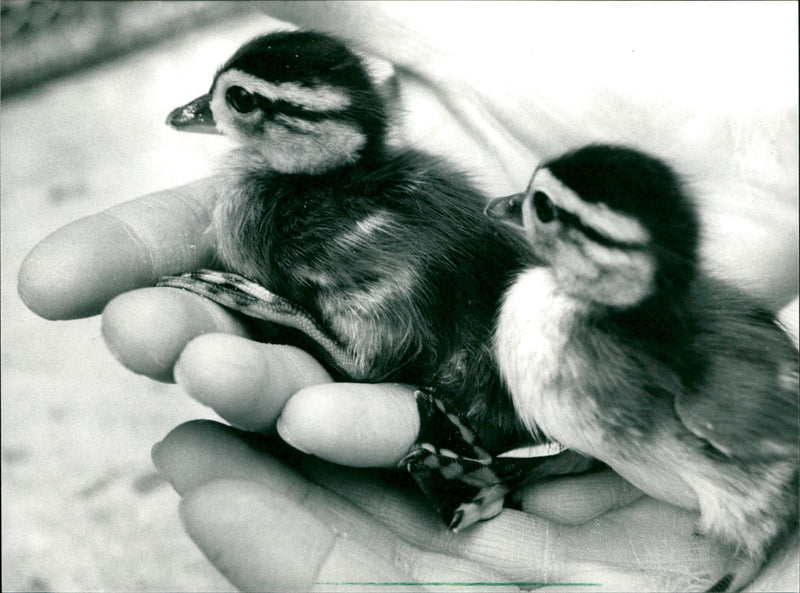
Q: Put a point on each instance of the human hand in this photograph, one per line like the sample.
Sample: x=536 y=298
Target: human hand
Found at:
x=261 y=386
x=79 y=270
x=248 y=506
x=270 y=519
x=709 y=88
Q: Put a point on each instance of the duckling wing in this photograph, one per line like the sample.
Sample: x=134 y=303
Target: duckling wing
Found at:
x=745 y=401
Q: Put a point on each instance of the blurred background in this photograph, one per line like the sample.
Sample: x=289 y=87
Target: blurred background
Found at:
x=86 y=87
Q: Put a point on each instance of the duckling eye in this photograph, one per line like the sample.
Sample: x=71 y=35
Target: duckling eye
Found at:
x=545 y=209
x=240 y=99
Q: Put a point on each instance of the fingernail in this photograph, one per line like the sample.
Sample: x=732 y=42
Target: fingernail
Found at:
x=458 y=516
x=286 y=434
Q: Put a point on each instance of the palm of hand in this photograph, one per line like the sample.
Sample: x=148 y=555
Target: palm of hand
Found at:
x=354 y=528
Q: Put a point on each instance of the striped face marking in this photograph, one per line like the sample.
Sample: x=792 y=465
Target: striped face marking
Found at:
x=319 y=98
x=596 y=220
x=595 y=253
x=296 y=129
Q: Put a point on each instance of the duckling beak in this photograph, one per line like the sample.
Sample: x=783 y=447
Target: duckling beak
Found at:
x=195 y=116
x=507 y=210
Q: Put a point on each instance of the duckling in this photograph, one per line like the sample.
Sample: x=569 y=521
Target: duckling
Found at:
x=385 y=250
x=620 y=347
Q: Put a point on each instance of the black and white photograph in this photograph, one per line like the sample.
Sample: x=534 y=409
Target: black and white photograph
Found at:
x=337 y=296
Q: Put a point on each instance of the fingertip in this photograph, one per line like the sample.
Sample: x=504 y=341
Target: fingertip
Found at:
x=354 y=424
x=147 y=329
x=181 y=456
x=204 y=451
x=219 y=371
x=77 y=269
x=245 y=382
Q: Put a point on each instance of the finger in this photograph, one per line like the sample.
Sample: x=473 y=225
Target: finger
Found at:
x=574 y=500
x=652 y=544
x=201 y=450
x=247 y=383
x=651 y=537
x=202 y=453
x=78 y=269
x=352 y=424
x=147 y=329
x=262 y=541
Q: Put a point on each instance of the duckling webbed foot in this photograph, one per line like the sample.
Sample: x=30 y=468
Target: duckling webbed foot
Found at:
x=463 y=482
x=253 y=300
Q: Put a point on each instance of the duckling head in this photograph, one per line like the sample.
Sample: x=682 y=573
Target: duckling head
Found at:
x=301 y=100
x=613 y=223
